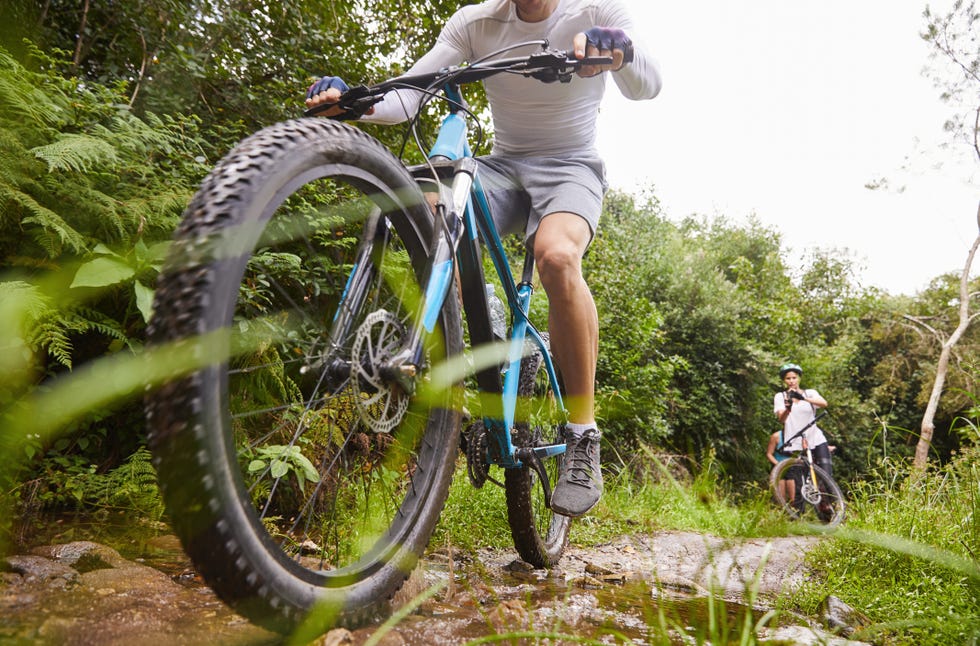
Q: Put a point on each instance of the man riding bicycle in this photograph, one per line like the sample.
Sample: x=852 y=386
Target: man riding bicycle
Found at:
x=544 y=176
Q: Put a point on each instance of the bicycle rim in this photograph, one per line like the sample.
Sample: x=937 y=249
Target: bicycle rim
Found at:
x=295 y=474
x=818 y=501
x=540 y=535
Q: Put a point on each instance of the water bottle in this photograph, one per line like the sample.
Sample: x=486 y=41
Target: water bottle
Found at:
x=498 y=313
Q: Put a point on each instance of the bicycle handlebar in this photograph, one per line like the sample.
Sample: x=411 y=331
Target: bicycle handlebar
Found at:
x=548 y=66
x=804 y=429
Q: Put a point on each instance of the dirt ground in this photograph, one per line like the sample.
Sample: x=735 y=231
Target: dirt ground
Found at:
x=86 y=593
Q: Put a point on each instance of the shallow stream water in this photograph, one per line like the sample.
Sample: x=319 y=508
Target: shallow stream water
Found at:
x=637 y=590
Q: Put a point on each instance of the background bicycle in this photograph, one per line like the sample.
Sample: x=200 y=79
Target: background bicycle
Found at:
x=813 y=495
x=306 y=461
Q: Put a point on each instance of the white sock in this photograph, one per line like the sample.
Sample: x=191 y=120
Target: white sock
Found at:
x=577 y=430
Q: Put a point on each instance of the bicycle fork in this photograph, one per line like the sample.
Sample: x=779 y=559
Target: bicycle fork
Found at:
x=437 y=277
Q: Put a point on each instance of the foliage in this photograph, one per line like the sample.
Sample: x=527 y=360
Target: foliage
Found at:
x=956 y=71
x=278 y=460
x=87 y=192
x=472 y=518
x=908 y=555
x=632 y=369
x=69 y=480
x=238 y=66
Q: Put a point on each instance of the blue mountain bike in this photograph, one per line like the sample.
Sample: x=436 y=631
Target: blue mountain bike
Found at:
x=305 y=460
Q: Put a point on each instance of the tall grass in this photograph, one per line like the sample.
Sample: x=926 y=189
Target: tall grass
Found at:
x=909 y=556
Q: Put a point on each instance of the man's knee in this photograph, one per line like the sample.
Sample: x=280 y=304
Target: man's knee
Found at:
x=559 y=245
x=557 y=263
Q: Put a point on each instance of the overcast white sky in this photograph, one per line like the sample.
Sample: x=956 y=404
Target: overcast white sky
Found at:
x=785 y=109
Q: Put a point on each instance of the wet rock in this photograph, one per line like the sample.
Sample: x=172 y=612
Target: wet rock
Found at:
x=108 y=600
x=337 y=637
x=593 y=569
x=42 y=571
x=519 y=567
x=597 y=589
x=510 y=614
x=674 y=584
x=587 y=582
x=83 y=556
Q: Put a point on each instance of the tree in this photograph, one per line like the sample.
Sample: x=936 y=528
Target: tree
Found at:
x=238 y=65
x=955 y=46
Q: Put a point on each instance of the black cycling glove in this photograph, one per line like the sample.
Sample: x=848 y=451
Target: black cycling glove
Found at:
x=795 y=394
x=325 y=84
x=610 y=38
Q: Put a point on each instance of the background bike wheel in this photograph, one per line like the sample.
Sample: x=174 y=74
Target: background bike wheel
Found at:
x=539 y=534
x=820 y=502
x=295 y=476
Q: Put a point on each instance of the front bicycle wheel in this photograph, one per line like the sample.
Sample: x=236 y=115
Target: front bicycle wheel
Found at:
x=540 y=535
x=806 y=492
x=295 y=472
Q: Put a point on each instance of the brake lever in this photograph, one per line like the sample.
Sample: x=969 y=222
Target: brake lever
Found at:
x=558 y=66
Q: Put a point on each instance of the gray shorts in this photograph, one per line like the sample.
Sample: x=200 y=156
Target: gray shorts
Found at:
x=523 y=190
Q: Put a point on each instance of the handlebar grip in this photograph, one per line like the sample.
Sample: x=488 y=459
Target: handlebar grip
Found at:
x=317 y=109
x=595 y=60
x=355 y=102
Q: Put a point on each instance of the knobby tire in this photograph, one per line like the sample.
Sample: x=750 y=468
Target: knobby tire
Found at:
x=281 y=488
x=823 y=504
x=540 y=535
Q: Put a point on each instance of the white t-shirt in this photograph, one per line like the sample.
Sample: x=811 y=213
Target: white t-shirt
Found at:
x=521 y=106
x=801 y=414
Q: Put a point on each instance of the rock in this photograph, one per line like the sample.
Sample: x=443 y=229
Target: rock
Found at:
x=86 y=593
x=83 y=556
x=841 y=618
x=43 y=571
x=592 y=568
x=803 y=636
x=336 y=637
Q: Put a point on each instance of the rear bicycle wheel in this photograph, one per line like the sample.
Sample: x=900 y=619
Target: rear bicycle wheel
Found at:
x=295 y=473
x=540 y=535
x=818 y=501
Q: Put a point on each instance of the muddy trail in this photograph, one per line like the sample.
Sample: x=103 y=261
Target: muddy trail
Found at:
x=634 y=590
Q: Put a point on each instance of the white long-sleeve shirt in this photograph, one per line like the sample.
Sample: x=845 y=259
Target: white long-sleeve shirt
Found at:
x=532 y=118
x=800 y=415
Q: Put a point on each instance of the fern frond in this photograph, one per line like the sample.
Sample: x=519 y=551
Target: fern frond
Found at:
x=49 y=335
x=133 y=486
x=53 y=233
x=41 y=328
x=20 y=96
x=90 y=320
x=77 y=153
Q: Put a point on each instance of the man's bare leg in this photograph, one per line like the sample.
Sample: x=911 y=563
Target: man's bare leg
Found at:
x=573 y=322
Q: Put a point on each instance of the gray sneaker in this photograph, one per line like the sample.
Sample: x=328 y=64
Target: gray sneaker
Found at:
x=580 y=483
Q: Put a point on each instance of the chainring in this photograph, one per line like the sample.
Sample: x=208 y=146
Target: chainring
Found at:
x=380 y=402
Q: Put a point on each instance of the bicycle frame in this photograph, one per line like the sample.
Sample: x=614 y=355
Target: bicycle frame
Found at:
x=463 y=216
x=809 y=461
x=807 y=453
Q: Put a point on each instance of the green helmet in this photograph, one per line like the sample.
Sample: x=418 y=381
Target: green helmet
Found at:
x=790 y=367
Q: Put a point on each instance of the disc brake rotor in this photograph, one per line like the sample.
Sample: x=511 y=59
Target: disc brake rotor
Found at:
x=810 y=493
x=381 y=403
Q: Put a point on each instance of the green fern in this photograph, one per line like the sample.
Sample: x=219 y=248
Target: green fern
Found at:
x=46 y=326
x=133 y=486
x=76 y=152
